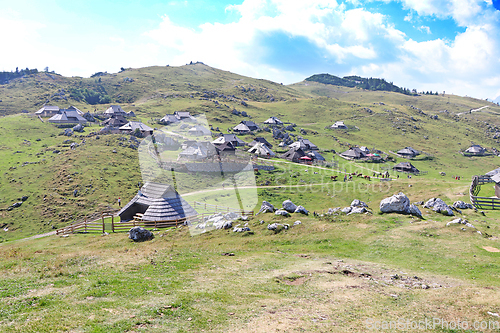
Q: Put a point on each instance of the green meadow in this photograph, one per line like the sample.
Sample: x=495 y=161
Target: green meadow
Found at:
x=330 y=273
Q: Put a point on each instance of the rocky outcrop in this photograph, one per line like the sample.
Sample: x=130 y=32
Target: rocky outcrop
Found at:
x=462 y=205
x=399 y=203
x=439 y=206
x=266 y=207
x=289 y=206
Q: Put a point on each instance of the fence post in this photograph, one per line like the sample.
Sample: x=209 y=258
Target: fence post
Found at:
x=112 y=223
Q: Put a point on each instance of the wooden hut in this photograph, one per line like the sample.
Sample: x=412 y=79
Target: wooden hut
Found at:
x=169 y=119
x=48 y=111
x=116 y=110
x=475 y=150
x=199 y=131
x=67 y=118
x=273 y=121
x=405 y=167
x=339 y=125
x=225 y=149
x=496 y=179
x=293 y=155
x=116 y=120
x=408 y=152
x=157 y=202
x=353 y=153
x=235 y=141
x=261 y=140
x=262 y=150
x=132 y=126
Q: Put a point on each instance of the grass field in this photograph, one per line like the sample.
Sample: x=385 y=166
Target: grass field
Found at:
x=327 y=274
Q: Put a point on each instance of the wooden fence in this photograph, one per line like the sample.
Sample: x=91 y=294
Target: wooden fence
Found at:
x=482 y=202
x=99 y=225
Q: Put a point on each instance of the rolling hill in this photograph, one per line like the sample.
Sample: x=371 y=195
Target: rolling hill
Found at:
x=330 y=272
x=440 y=126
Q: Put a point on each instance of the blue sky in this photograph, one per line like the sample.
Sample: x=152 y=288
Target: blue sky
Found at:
x=446 y=45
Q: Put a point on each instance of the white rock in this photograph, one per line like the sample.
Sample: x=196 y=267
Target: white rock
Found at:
x=398 y=203
x=357 y=210
x=289 y=206
x=346 y=210
x=281 y=212
x=296 y=223
x=302 y=210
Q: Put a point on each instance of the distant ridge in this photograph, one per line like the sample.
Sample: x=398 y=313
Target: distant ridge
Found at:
x=360 y=82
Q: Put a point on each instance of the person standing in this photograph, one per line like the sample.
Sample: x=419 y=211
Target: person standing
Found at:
x=119 y=202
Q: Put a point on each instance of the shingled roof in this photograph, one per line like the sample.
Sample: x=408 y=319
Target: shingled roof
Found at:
x=158 y=202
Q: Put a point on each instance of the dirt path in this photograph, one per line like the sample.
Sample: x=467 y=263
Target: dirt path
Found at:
x=473 y=110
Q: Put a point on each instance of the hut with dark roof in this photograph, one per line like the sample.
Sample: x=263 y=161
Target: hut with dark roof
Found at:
x=235 y=141
x=408 y=152
x=405 y=167
x=353 y=153
x=225 y=149
x=261 y=149
x=116 y=120
x=293 y=155
x=157 y=202
x=475 y=150
x=261 y=140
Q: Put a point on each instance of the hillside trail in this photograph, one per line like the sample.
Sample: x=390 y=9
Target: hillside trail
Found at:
x=473 y=110
x=322 y=168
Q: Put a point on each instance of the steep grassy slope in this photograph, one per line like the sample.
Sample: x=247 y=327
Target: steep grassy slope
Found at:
x=137 y=86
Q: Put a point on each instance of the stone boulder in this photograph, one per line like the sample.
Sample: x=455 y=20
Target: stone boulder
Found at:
x=398 y=203
x=346 y=210
x=358 y=203
x=439 y=206
x=302 y=210
x=78 y=128
x=333 y=210
x=357 y=210
x=281 y=212
x=139 y=234
x=289 y=206
x=266 y=208
x=460 y=221
x=413 y=210
x=462 y=205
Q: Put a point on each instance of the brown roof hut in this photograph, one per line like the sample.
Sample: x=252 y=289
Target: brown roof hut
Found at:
x=158 y=202
x=114 y=109
x=405 y=167
x=353 y=153
x=235 y=141
x=225 y=149
x=116 y=120
x=261 y=140
x=408 y=152
x=293 y=155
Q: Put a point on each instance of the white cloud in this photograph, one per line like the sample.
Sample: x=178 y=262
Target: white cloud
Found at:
x=425 y=29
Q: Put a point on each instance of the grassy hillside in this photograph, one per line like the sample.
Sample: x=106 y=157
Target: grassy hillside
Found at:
x=326 y=274
x=137 y=86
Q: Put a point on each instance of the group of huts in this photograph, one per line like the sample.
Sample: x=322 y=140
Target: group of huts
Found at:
x=115 y=119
